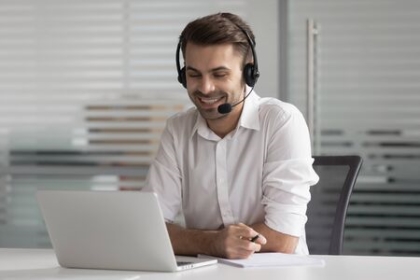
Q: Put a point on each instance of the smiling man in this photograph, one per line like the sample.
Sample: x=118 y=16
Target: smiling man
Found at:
x=238 y=166
x=214 y=75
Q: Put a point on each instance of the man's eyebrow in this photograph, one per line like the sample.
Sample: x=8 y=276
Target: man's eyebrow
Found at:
x=192 y=68
x=220 y=68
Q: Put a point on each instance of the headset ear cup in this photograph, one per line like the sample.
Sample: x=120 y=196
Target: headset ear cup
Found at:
x=182 y=77
x=249 y=76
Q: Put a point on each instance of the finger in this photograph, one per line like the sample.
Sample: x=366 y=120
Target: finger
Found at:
x=248 y=233
x=253 y=239
x=259 y=238
x=242 y=252
x=255 y=247
x=247 y=245
x=245 y=231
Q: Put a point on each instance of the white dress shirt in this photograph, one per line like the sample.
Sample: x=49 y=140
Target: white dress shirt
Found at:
x=259 y=172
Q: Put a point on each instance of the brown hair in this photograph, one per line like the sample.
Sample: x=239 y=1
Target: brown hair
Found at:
x=220 y=28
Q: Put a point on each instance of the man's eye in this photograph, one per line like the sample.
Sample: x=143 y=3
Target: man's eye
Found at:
x=220 y=75
x=193 y=75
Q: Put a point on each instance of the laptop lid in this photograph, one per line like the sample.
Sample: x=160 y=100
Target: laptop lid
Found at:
x=109 y=230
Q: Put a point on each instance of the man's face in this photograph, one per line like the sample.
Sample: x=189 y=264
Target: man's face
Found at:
x=214 y=77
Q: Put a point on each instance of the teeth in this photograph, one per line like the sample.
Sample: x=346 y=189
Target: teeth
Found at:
x=209 y=100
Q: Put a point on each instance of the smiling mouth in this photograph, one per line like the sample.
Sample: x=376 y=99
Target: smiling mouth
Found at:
x=209 y=101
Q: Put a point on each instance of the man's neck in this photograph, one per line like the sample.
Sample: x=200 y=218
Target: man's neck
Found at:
x=223 y=126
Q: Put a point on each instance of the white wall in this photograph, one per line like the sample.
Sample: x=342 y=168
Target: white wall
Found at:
x=264 y=22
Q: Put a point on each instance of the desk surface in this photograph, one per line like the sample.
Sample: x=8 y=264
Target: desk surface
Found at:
x=42 y=264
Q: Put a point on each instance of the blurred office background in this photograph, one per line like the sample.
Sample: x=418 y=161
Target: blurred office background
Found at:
x=86 y=86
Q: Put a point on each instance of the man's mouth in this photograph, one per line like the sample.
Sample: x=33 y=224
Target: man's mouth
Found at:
x=209 y=101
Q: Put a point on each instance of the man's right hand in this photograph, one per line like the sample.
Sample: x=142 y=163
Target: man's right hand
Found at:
x=234 y=242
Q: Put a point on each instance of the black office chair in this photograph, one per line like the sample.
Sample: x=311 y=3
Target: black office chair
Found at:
x=330 y=199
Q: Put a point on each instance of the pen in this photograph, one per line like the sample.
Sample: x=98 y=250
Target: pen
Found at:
x=254 y=238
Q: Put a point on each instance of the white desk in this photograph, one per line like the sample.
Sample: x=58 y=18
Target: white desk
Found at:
x=42 y=264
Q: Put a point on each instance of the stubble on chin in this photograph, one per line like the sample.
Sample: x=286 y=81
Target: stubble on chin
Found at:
x=209 y=114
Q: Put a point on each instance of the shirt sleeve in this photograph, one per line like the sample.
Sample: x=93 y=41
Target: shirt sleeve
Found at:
x=164 y=176
x=287 y=173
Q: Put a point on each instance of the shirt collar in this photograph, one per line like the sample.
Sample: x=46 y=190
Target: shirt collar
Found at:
x=249 y=117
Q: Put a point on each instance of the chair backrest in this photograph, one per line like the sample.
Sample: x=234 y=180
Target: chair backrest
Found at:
x=330 y=199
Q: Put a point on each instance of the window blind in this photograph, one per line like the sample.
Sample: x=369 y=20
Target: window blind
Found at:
x=367 y=63
x=85 y=89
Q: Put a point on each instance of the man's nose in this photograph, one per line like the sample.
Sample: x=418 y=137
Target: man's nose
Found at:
x=206 y=85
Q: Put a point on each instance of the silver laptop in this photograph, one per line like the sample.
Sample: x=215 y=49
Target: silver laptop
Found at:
x=110 y=230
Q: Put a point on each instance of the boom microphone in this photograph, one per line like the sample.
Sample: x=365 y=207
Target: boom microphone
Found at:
x=226 y=108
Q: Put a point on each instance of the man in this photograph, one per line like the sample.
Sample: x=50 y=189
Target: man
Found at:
x=238 y=166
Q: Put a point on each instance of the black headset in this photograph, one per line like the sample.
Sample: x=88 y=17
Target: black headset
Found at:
x=250 y=72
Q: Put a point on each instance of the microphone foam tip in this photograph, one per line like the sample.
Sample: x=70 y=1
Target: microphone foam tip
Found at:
x=224 y=108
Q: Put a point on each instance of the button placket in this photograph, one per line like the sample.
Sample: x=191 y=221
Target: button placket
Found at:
x=222 y=183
